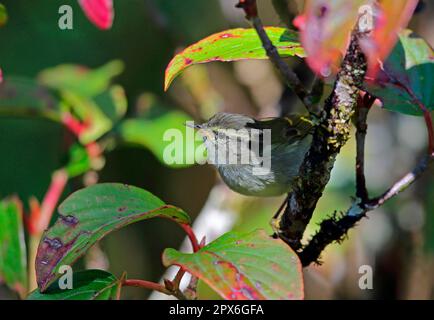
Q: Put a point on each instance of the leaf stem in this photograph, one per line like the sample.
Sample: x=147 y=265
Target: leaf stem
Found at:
x=190 y=233
x=422 y=107
x=146 y=285
x=177 y=280
x=49 y=203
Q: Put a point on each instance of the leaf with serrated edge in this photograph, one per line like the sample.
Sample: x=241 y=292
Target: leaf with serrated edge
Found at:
x=232 y=45
x=88 y=215
x=244 y=266
x=87 y=285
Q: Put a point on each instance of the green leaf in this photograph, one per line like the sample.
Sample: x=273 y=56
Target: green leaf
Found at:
x=91 y=114
x=87 y=216
x=113 y=103
x=24 y=97
x=86 y=285
x=3 y=15
x=244 y=266
x=231 y=45
x=153 y=133
x=406 y=80
x=79 y=161
x=13 y=259
x=81 y=80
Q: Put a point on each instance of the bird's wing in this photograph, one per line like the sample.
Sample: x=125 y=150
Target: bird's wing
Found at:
x=289 y=129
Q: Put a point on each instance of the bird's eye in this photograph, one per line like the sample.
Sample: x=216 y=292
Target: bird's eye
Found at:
x=204 y=138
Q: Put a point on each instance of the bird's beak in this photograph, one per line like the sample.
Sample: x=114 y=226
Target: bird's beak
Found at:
x=193 y=126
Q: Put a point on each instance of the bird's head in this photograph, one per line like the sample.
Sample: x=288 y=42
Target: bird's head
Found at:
x=222 y=125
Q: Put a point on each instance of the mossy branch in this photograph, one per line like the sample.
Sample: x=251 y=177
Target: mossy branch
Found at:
x=330 y=135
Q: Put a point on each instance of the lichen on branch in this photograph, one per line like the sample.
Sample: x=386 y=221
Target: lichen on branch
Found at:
x=330 y=135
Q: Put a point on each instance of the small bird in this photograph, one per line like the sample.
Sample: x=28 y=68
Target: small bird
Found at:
x=276 y=146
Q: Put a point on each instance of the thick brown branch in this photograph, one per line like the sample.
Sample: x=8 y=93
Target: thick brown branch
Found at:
x=328 y=138
x=331 y=230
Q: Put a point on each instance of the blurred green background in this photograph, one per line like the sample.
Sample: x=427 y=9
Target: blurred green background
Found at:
x=397 y=240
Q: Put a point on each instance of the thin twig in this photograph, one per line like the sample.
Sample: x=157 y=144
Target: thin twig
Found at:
x=291 y=79
x=49 y=203
x=119 y=288
x=153 y=286
x=335 y=228
x=402 y=184
x=426 y=112
x=362 y=111
x=178 y=277
x=146 y=285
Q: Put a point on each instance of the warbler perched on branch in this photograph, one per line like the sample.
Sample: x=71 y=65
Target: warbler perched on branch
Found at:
x=257 y=157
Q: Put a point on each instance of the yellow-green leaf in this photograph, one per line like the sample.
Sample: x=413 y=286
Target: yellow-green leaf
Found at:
x=232 y=45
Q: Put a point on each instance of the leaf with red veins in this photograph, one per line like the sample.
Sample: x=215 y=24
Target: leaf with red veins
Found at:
x=232 y=45
x=99 y=12
x=390 y=17
x=250 y=266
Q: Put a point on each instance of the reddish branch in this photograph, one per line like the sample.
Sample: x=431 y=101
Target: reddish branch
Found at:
x=190 y=233
x=426 y=113
x=146 y=285
x=167 y=289
x=40 y=217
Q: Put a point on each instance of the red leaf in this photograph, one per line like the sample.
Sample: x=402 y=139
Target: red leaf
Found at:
x=326 y=26
x=99 y=12
x=390 y=17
